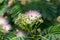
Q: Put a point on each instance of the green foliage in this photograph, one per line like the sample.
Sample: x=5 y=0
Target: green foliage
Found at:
x=54 y=29
x=9 y=36
x=21 y=38
x=1 y=1
x=3 y=10
x=53 y=33
x=14 y=10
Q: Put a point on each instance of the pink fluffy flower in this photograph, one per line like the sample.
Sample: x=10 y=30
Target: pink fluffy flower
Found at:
x=3 y=21
x=6 y=28
x=21 y=33
x=4 y=25
x=32 y=14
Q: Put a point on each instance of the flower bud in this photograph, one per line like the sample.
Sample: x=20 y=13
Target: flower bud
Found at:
x=58 y=18
x=41 y=21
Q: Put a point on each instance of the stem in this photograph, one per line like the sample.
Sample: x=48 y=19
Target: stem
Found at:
x=41 y=36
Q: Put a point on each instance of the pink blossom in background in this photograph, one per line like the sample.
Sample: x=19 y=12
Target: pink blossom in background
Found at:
x=32 y=14
x=6 y=28
x=4 y=25
x=21 y=33
x=3 y=21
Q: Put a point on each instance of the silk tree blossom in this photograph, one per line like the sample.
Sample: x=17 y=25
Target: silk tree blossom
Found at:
x=6 y=28
x=3 y=21
x=4 y=25
x=21 y=33
x=32 y=15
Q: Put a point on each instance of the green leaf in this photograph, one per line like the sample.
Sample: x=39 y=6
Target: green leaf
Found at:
x=3 y=10
x=54 y=29
x=52 y=37
x=53 y=32
x=1 y=1
x=14 y=10
x=21 y=38
x=18 y=38
x=9 y=36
